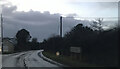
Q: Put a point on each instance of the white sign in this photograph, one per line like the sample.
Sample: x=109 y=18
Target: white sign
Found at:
x=75 y=49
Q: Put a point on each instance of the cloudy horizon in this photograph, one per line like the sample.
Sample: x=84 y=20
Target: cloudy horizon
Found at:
x=43 y=21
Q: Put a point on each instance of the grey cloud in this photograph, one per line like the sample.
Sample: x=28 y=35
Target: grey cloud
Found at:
x=7 y=11
x=40 y=25
x=98 y=4
x=109 y=5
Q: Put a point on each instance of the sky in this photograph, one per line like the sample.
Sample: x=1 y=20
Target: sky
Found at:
x=41 y=17
x=68 y=7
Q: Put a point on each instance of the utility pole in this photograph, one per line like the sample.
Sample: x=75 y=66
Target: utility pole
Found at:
x=2 y=32
x=60 y=26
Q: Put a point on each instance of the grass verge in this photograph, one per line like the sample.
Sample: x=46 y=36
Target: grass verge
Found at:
x=67 y=60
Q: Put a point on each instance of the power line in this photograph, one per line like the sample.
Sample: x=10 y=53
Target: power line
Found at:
x=86 y=17
x=91 y=17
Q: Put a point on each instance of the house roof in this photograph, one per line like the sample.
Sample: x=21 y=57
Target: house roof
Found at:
x=13 y=41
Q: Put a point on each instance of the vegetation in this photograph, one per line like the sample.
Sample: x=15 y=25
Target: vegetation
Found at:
x=98 y=46
x=23 y=43
x=67 y=61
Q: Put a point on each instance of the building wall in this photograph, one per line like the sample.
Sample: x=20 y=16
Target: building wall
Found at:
x=8 y=46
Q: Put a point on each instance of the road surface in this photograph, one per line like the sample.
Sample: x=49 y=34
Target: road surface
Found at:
x=25 y=59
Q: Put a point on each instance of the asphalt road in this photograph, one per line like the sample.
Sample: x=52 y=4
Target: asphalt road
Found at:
x=26 y=59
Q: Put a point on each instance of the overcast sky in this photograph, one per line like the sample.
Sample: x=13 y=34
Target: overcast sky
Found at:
x=41 y=17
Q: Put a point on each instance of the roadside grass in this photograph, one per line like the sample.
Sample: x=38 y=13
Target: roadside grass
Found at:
x=67 y=60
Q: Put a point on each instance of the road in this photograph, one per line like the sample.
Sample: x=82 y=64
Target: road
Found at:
x=25 y=59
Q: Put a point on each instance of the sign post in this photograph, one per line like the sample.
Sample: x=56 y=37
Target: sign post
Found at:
x=75 y=52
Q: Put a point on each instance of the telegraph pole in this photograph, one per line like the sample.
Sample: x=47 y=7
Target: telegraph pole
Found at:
x=2 y=32
x=60 y=26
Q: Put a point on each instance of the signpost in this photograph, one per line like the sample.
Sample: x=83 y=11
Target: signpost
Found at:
x=75 y=52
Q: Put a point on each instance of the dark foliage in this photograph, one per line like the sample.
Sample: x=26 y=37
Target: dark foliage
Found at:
x=98 y=47
x=23 y=43
x=34 y=44
x=23 y=37
x=52 y=44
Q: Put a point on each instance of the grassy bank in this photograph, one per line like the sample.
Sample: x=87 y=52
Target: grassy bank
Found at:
x=67 y=60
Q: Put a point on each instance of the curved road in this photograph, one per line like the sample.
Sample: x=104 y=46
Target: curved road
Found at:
x=25 y=59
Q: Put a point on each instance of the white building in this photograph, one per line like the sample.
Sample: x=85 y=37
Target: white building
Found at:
x=8 y=45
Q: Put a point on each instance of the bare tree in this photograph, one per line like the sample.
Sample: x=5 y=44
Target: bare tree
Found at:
x=97 y=24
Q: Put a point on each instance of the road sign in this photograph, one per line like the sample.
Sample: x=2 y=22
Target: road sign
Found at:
x=75 y=49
